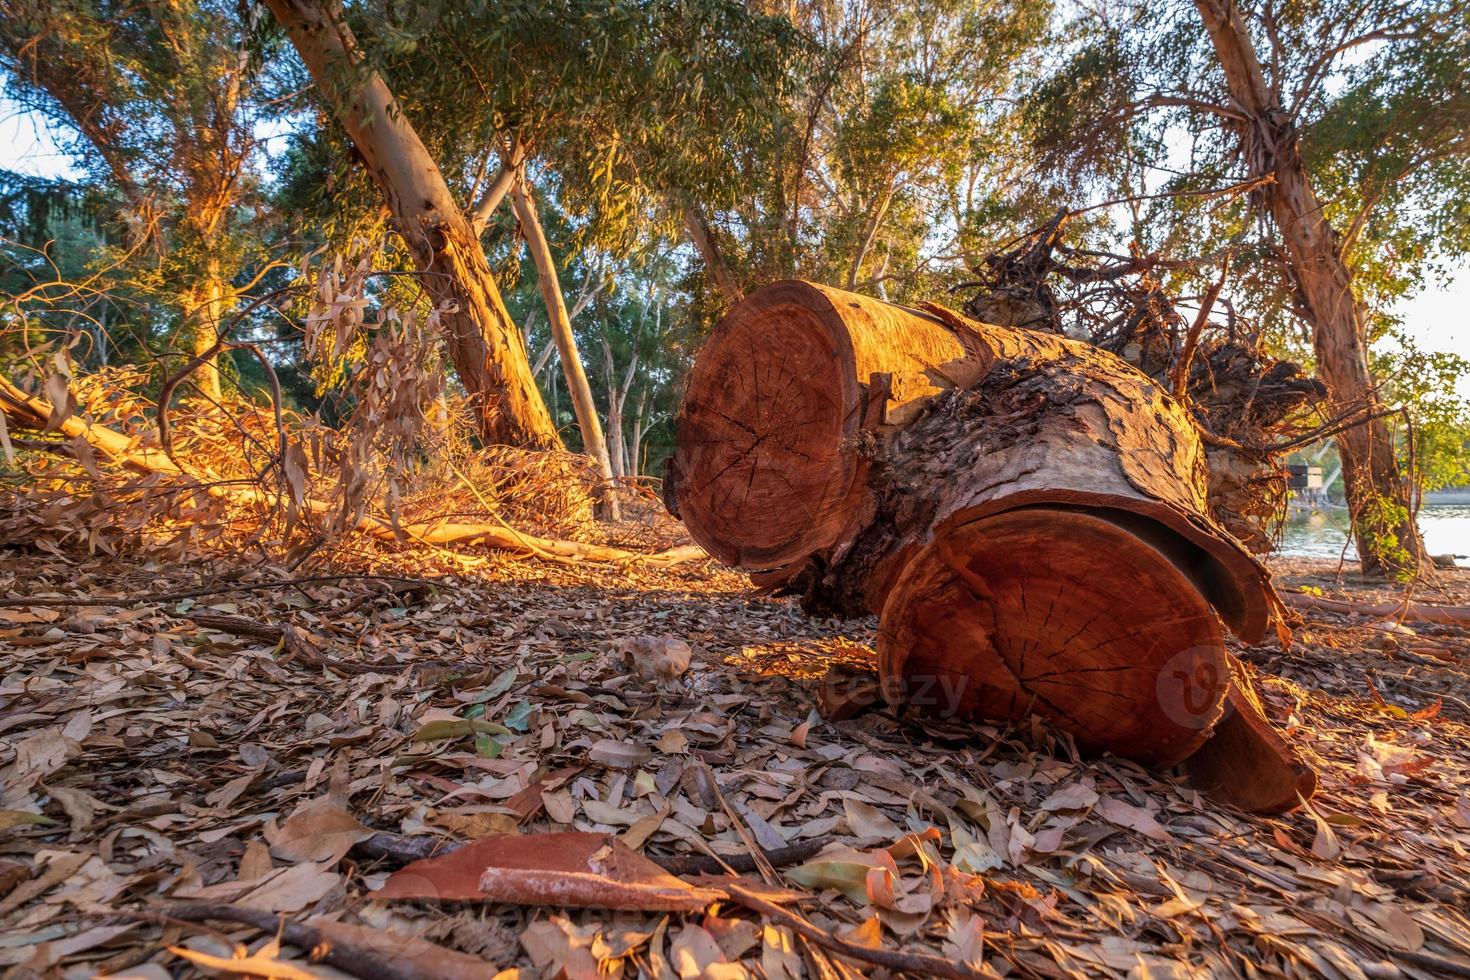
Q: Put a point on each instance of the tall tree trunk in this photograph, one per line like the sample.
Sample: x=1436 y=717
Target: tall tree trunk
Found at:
x=206 y=308
x=484 y=344
x=1377 y=495
x=709 y=250
x=635 y=448
x=566 y=344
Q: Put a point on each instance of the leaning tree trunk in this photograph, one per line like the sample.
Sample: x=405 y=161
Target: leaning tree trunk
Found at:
x=715 y=266
x=566 y=345
x=484 y=344
x=1026 y=512
x=1378 y=497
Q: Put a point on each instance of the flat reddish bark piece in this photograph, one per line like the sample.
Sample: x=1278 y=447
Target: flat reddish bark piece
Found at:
x=1246 y=762
x=1062 y=614
x=571 y=869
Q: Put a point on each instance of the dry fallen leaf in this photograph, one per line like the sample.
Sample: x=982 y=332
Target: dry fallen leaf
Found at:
x=321 y=831
x=262 y=963
x=657 y=658
x=618 y=755
x=1127 y=815
x=868 y=823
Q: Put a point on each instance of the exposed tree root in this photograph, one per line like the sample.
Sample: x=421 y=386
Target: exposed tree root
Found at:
x=1421 y=612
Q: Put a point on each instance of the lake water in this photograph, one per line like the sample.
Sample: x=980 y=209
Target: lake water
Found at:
x=1323 y=533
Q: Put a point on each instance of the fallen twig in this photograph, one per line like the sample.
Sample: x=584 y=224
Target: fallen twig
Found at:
x=1418 y=611
x=344 y=956
x=918 y=964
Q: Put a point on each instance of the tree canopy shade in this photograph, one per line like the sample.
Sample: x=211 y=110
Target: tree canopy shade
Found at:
x=1349 y=117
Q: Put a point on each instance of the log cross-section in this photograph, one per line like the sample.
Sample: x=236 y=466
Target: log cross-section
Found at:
x=1027 y=513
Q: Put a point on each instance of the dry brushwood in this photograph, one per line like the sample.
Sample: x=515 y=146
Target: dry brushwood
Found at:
x=1027 y=513
x=25 y=411
x=1245 y=401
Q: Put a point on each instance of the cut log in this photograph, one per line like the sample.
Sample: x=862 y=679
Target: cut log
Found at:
x=803 y=389
x=1064 y=614
x=1027 y=512
x=766 y=467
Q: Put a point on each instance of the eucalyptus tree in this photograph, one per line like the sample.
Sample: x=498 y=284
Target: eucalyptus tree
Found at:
x=1349 y=123
x=610 y=98
x=160 y=99
x=484 y=345
x=628 y=112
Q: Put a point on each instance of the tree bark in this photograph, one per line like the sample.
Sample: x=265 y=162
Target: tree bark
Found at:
x=617 y=399
x=1378 y=497
x=635 y=445
x=484 y=344
x=709 y=250
x=1026 y=513
x=566 y=345
x=205 y=310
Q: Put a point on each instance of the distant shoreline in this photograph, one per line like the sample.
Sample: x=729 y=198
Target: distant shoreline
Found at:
x=1439 y=498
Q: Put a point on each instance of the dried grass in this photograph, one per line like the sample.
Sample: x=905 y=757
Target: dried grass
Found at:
x=70 y=497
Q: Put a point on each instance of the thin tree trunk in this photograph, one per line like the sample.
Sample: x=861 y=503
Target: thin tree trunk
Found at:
x=484 y=344
x=614 y=408
x=635 y=450
x=205 y=311
x=566 y=343
x=544 y=358
x=870 y=235
x=714 y=262
x=1377 y=495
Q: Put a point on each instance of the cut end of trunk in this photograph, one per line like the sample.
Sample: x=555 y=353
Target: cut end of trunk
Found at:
x=1246 y=762
x=1063 y=614
x=762 y=475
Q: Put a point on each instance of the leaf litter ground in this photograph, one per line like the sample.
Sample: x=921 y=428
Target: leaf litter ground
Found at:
x=163 y=752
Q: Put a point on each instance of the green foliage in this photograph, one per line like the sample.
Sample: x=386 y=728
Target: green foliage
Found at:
x=157 y=103
x=888 y=151
x=1380 y=91
x=1426 y=384
x=622 y=100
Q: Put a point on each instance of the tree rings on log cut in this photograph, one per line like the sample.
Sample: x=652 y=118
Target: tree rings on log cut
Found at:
x=768 y=466
x=1063 y=614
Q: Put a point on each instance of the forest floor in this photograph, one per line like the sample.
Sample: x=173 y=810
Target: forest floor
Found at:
x=161 y=746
